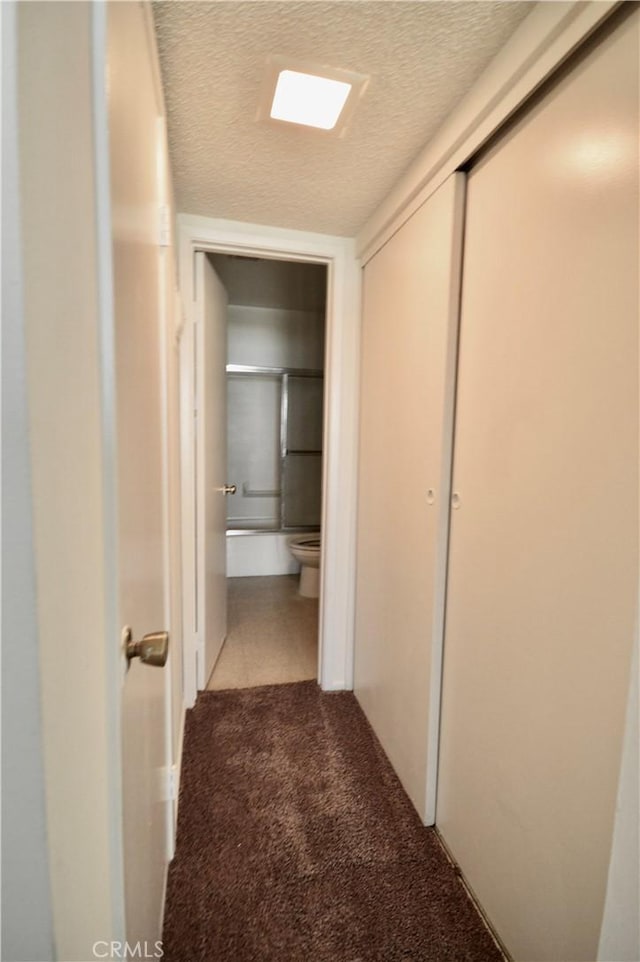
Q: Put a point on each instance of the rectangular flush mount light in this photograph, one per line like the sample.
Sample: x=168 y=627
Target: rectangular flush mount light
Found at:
x=309 y=95
x=302 y=98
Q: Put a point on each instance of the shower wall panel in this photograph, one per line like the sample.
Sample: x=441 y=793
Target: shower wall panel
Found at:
x=302 y=489
x=302 y=468
x=253 y=450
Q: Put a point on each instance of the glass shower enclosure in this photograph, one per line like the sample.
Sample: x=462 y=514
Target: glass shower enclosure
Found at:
x=274 y=448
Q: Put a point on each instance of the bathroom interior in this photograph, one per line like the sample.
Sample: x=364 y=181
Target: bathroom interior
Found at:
x=275 y=399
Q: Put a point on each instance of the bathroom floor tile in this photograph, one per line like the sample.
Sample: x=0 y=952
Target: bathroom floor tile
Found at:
x=272 y=635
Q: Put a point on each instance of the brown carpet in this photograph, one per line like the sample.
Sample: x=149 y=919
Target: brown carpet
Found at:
x=296 y=842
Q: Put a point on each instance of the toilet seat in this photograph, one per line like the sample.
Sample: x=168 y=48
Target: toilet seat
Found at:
x=306 y=549
x=304 y=542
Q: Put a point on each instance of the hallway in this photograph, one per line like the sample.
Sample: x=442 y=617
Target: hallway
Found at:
x=465 y=717
x=296 y=842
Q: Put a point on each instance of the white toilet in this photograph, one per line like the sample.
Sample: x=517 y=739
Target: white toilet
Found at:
x=305 y=548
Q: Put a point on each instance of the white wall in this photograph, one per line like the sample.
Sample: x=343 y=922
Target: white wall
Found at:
x=269 y=282
x=27 y=930
x=270 y=337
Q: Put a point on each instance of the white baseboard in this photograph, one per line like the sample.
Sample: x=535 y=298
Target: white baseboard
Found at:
x=265 y=553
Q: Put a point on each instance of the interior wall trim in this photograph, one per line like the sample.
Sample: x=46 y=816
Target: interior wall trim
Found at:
x=335 y=658
x=542 y=42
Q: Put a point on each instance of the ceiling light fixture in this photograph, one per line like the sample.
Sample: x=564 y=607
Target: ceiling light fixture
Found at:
x=309 y=95
x=307 y=99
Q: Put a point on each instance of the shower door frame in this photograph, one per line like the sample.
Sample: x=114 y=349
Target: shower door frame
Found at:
x=340 y=430
x=283 y=374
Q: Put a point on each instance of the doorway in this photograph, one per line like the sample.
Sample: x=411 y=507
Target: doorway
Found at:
x=275 y=326
x=200 y=235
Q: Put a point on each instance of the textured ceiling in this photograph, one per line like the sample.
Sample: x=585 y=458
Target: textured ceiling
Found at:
x=422 y=57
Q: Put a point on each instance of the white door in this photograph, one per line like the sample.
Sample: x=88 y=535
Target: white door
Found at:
x=211 y=466
x=409 y=337
x=135 y=197
x=542 y=589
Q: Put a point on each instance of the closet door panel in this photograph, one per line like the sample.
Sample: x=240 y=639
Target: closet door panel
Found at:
x=542 y=590
x=410 y=318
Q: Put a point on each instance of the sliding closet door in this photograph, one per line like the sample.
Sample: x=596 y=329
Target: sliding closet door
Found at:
x=409 y=334
x=542 y=589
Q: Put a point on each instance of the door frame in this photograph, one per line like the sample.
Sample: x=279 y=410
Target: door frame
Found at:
x=215 y=314
x=339 y=470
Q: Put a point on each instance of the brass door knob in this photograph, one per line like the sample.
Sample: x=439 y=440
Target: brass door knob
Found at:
x=229 y=489
x=152 y=649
